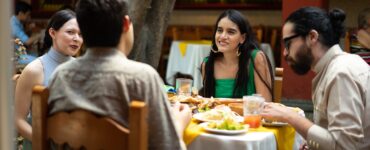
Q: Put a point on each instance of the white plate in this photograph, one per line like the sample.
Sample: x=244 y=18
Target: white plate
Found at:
x=229 y=100
x=273 y=124
x=199 y=117
x=224 y=132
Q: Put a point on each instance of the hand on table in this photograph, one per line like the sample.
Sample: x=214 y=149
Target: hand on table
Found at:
x=182 y=115
x=274 y=111
x=304 y=146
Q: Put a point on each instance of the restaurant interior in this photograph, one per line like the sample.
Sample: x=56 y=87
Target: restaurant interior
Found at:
x=190 y=30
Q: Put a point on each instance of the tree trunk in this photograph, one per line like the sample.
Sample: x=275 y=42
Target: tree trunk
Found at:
x=150 y=19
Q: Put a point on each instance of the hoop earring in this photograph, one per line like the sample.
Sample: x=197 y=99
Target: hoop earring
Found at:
x=238 y=51
x=214 y=51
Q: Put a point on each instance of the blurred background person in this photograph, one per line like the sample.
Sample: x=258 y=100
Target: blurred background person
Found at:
x=236 y=66
x=18 y=21
x=63 y=39
x=363 y=33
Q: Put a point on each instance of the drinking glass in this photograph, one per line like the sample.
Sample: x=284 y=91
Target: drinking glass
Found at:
x=252 y=106
x=183 y=86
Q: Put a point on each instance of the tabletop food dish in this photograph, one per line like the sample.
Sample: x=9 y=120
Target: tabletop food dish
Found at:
x=219 y=113
x=227 y=127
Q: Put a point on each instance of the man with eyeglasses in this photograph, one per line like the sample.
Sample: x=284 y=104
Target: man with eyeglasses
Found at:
x=341 y=91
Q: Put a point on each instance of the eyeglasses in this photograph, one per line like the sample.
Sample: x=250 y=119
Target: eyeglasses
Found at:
x=288 y=40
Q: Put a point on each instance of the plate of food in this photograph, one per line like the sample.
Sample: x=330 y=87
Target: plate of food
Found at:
x=229 y=100
x=226 y=127
x=219 y=113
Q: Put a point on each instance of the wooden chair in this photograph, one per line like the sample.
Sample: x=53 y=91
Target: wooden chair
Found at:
x=206 y=32
x=258 y=31
x=278 y=84
x=185 y=33
x=81 y=129
x=273 y=38
x=347 y=42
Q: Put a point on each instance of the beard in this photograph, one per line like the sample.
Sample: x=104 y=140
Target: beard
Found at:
x=302 y=64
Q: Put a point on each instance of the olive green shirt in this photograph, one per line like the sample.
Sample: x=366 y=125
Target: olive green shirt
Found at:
x=104 y=81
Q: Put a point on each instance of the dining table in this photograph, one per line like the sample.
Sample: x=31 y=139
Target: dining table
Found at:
x=261 y=138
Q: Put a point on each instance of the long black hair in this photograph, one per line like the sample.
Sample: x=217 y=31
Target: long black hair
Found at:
x=330 y=26
x=56 y=22
x=245 y=50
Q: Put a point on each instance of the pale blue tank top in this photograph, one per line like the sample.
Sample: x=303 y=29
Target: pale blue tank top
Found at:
x=50 y=61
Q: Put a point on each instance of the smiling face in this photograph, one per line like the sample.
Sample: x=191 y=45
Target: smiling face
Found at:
x=228 y=36
x=67 y=40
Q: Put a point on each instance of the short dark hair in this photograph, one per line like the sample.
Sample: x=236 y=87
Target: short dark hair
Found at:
x=21 y=6
x=363 y=18
x=101 y=21
x=330 y=26
x=56 y=22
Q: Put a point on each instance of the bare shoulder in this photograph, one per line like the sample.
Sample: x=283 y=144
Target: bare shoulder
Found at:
x=260 y=59
x=33 y=71
x=203 y=65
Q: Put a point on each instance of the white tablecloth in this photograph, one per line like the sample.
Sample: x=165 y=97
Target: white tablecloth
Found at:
x=249 y=141
x=190 y=63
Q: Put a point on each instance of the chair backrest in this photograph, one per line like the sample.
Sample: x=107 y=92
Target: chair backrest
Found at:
x=347 y=42
x=278 y=84
x=84 y=129
x=273 y=38
x=258 y=31
x=185 y=33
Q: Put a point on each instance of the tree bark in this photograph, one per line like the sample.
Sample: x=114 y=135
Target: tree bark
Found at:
x=150 y=20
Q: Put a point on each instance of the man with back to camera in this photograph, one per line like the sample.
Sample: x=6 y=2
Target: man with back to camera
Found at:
x=104 y=81
x=340 y=92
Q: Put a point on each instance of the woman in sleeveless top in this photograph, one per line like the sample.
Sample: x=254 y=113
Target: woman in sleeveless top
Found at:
x=63 y=39
x=235 y=66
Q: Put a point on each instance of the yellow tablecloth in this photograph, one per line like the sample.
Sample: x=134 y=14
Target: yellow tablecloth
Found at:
x=284 y=135
x=183 y=45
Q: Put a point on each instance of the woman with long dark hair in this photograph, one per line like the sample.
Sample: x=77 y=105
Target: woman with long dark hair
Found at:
x=235 y=66
x=63 y=39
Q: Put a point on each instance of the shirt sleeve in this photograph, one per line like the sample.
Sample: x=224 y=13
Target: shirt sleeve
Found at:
x=18 y=31
x=162 y=129
x=345 y=110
